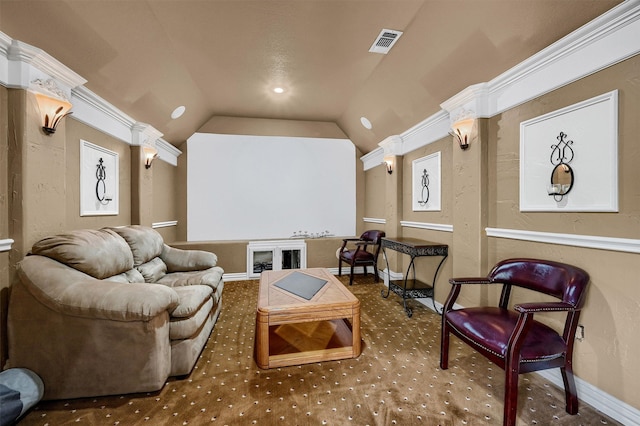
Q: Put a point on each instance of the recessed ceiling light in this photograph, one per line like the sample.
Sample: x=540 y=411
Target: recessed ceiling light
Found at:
x=177 y=113
x=278 y=90
x=366 y=123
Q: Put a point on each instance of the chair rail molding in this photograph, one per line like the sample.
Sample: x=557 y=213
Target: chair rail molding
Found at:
x=374 y=220
x=5 y=245
x=431 y=226
x=587 y=241
x=165 y=224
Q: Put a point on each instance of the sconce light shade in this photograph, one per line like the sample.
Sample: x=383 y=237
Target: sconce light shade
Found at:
x=150 y=154
x=52 y=111
x=462 y=131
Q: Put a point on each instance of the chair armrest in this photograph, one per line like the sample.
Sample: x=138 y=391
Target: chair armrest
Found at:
x=366 y=243
x=543 y=307
x=470 y=280
x=71 y=292
x=180 y=260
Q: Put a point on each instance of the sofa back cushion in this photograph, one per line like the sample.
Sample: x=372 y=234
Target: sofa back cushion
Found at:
x=145 y=243
x=99 y=253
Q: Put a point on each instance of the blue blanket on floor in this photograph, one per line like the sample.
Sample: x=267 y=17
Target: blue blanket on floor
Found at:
x=20 y=389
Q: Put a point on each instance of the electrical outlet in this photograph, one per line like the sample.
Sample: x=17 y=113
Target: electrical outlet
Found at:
x=580 y=333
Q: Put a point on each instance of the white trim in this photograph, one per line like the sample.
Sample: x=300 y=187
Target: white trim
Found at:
x=374 y=220
x=431 y=226
x=598 y=399
x=373 y=158
x=21 y=63
x=164 y=224
x=5 y=245
x=609 y=39
x=237 y=276
x=588 y=241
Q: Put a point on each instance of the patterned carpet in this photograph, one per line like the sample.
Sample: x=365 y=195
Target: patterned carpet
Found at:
x=395 y=381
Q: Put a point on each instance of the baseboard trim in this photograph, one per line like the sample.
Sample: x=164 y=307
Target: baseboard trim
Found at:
x=598 y=399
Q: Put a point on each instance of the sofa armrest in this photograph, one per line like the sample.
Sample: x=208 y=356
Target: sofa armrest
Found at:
x=179 y=260
x=71 y=292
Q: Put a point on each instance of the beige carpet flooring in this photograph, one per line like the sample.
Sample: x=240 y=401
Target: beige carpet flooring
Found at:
x=395 y=381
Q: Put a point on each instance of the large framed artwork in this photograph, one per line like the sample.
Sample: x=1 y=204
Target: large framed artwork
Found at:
x=426 y=183
x=569 y=158
x=99 y=180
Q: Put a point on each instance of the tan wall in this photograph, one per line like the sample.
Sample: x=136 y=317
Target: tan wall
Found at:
x=269 y=127
x=606 y=358
x=232 y=255
x=165 y=184
x=374 y=185
x=76 y=131
x=4 y=221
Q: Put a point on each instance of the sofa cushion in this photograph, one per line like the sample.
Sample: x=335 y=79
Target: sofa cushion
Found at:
x=131 y=276
x=191 y=299
x=192 y=312
x=145 y=243
x=152 y=270
x=179 y=260
x=99 y=253
x=211 y=277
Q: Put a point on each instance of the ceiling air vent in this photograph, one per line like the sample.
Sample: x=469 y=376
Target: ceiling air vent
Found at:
x=385 y=41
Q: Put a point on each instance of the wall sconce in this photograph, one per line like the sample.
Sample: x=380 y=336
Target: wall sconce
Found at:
x=52 y=111
x=150 y=154
x=462 y=131
x=562 y=178
x=388 y=163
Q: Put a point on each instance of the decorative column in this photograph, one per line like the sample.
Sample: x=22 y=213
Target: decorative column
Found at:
x=143 y=151
x=392 y=162
x=470 y=180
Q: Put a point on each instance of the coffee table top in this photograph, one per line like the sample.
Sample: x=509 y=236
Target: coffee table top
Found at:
x=274 y=298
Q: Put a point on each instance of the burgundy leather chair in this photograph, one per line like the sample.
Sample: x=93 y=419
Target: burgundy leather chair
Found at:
x=361 y=255
x=511 y=338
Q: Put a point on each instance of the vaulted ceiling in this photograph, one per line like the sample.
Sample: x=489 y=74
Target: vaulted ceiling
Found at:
x=225 y=57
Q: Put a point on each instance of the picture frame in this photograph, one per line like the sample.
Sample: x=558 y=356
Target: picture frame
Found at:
x=99 y=180
x=589 y=131
x=426 y=183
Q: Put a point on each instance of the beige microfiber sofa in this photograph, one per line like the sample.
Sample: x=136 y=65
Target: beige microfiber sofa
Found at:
x=111 y=311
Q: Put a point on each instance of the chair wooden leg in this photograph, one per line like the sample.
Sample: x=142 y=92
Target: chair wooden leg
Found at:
x=444 y=347
x=571 y=394
x=351 y=276
x=375 y=273
x=340 y=267
x=510 y=395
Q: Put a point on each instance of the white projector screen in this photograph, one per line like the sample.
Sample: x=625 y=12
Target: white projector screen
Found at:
x=267 y=187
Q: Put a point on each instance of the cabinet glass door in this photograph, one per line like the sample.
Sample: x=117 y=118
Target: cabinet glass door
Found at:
x=262 y=261
x=291 y=258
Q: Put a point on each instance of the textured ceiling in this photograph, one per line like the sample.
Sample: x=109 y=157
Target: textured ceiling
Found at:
x=224 y=57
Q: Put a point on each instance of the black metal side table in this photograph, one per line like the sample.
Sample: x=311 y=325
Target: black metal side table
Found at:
x=412 y=289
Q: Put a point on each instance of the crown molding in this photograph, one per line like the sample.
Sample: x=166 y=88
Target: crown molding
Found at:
x=608 y=39
x=23 y=65
x=373 y=158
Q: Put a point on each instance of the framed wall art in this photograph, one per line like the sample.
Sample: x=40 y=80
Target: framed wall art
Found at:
x=426 y=183
x=99 y=178
x=569 y=158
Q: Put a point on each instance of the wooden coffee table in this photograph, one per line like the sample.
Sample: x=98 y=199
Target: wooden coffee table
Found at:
x=300 y=329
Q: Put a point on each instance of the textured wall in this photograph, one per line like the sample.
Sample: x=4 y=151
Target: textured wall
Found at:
x=606 y=357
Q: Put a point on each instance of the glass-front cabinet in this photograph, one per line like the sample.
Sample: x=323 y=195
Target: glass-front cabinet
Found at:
x=275 y=256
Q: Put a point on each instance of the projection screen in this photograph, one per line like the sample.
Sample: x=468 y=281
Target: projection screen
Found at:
x=266 y=187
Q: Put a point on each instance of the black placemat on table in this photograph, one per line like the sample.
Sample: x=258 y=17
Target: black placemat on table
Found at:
x=301 y=285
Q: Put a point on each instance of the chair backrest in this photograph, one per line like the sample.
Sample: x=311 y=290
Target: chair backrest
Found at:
x=372 y=235
x=375 y=236
x=565 y=282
